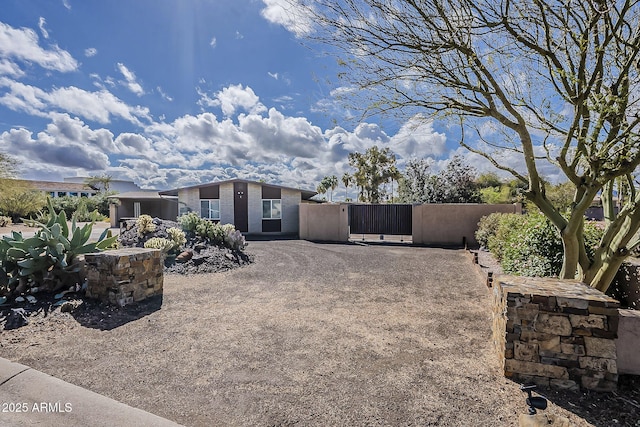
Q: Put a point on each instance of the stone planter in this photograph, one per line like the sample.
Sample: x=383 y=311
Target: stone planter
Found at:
x=556 y=333
x=124 y=276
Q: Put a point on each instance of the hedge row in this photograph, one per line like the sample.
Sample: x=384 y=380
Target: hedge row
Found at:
x=529 y=245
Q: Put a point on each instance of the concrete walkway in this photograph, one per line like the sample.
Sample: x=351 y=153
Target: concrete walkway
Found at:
x=29 y=397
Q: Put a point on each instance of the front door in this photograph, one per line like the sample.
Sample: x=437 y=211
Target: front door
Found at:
x=240 y=207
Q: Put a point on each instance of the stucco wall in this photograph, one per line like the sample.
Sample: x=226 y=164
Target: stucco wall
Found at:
x=326 y=222
x=191 y=199
x=628 y=342
x=255 y=207
x=226 y=203
x=449 y=224
x=290 y=210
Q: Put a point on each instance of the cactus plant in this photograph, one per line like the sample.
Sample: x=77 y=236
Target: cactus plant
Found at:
x=145 y=225
x=189 y=221
x=48 y=259
x=177 y=236
x=165 y=245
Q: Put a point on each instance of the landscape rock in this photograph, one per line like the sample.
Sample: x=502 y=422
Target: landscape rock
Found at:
x=184 y=256
x=209 y=259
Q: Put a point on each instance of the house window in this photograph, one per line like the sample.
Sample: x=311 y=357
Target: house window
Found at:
x=136 y=209
x=271 y=209
x=73 y=194
x=52 y=193
x=210 y=208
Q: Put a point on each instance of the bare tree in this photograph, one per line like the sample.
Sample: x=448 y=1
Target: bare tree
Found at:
x=555 y=81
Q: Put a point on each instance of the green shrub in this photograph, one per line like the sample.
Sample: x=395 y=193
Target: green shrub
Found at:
x=487 y=227
x=532 y=248
x=19 y=201
x=507 y=223
x=82 y=213
x=529 y=245
x=71 y=204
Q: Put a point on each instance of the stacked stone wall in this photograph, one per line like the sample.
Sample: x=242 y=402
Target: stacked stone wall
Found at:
x=124 y=276
x=555 y=333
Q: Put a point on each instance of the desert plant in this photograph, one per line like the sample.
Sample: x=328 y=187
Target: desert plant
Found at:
x=235 y=240
x=5 y=221
x=177 y=236
x=49 y=259
x=165 y=245
x=189 y=221
x=19 y=200
x=211 y=231
x=145 y=225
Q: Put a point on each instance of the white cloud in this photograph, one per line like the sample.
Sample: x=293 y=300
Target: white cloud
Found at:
x=66 y=4
x=98 y=106
x=417 y=138
x=51 y=150
x=278 y=134
x=232 y=99
x=23 y=45
x=9 y=68
x=290 y=15
x=213 y=42
x=239 y=35
x=130 y=80
x=41 y=23
x=133 y=144
x=90 y=52
x=163 y=94
x=273 y=75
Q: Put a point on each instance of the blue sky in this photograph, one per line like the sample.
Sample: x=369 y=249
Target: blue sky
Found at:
x=179 y=92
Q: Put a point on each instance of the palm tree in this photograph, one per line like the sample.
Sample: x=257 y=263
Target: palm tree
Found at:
x=333 y=184
x=346 y=180
x=321 y=188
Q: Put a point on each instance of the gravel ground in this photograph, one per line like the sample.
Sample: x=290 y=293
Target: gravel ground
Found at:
x=308 y=334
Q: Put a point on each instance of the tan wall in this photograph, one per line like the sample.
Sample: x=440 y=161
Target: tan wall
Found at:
x=628 y=342
x=226 y=203
x=191 y=198
x=326 y=222
x=290 y=215
x=449 y=224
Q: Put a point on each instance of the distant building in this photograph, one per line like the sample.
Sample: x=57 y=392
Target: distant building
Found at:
x=117 y=185
x=59 y=189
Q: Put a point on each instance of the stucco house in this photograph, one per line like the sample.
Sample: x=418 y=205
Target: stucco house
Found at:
x=253 y=207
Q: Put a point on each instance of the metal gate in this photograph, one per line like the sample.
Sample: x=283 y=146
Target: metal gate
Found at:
x=380 y=219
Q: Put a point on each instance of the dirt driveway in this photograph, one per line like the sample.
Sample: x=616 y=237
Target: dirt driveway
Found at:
x=310 y=334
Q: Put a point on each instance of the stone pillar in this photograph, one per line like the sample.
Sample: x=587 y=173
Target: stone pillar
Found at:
x=556 y=333
x=124 y=276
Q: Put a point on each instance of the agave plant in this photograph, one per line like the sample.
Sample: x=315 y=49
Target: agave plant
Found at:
x=49 y=259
